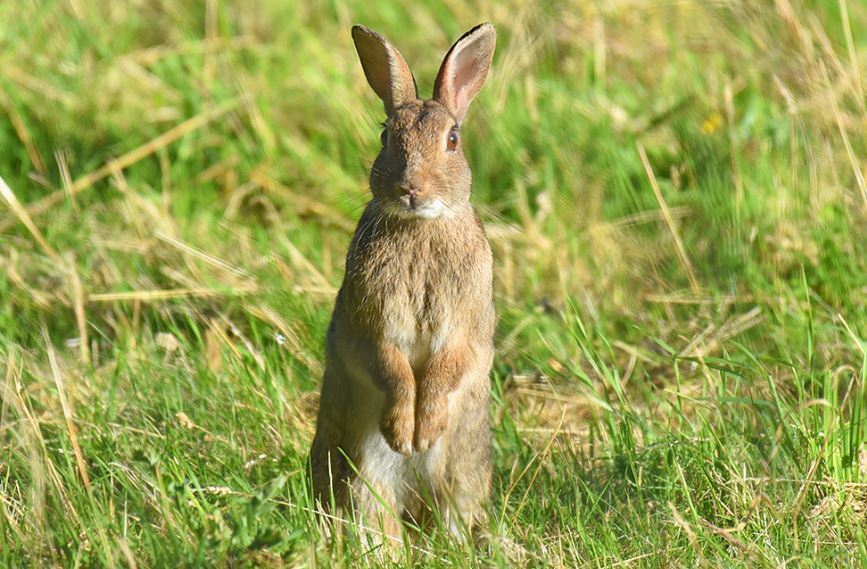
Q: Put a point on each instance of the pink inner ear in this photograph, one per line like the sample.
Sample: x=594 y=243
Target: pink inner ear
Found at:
x=469 y=72
x=465 y=69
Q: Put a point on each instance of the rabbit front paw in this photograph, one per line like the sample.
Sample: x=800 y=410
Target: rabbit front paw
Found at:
x=397 y=426
x=432 y=422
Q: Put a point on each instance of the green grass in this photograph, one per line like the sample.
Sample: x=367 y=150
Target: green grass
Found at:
x=651 y=408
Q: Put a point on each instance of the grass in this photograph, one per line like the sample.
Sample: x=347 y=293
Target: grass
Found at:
x=675 y=196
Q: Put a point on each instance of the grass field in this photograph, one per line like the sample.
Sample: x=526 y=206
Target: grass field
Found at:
x=675 y=195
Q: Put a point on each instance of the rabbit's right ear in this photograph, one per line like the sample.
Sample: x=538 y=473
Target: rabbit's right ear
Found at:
x=464 y=69
x=385 y=68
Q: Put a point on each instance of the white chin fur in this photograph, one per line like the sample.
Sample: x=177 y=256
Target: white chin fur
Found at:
x=431 y=210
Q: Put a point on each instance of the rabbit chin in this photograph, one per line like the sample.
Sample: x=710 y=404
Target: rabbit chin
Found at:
x=430 y=210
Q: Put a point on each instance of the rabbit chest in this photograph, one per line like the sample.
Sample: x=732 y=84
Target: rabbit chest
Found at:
x=420 y=289
x=419 y=310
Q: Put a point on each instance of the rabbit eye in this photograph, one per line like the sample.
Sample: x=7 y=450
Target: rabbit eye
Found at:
x=453 y=139
x=383 y=138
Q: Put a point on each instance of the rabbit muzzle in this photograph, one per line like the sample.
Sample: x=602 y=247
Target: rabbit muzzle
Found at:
x=421 y=205
x=411 y=195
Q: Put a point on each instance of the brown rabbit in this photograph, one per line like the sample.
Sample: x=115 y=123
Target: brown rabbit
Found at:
x=403 y=417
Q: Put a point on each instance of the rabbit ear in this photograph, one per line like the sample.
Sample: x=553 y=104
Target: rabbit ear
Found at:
x=385 y=68
x=465 y=69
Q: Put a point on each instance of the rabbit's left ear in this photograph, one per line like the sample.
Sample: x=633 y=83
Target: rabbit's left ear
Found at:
x=464 y=69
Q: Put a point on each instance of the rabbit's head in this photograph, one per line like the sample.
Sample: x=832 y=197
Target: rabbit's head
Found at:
x=421 y=171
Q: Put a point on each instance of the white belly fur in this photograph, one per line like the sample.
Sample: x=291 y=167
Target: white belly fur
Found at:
x=382 y=467
x=418 y=347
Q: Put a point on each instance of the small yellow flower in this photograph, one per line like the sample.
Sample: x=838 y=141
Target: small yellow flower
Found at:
x=712 y=123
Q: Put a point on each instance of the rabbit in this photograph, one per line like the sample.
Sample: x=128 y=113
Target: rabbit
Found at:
x=403 y=423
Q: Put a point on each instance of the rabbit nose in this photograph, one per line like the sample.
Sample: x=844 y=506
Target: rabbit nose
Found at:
x=409 y=189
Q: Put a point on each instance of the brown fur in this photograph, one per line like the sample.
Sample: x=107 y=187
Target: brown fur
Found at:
x=403 y=419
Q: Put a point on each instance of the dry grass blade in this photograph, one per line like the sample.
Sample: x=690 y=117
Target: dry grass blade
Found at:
x=289 y=337
x=850 y=153
x=686 y=298
x=669 y=220
x=151 y=55
x=200 y=254
x=236 y=331
x=704 y=345
x=65 y=175
x=641 y=218
x=303 y=202
x=688 y=531
x=127 y=553
x=23 y=134
x=22 y=216
x=167 y=294
x=855 y=340
x=79 y=299
x=67 y=409
x=539 y=459
x=10 y=377
x=37 y=85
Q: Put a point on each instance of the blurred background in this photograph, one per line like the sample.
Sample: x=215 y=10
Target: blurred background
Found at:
x=675 y=195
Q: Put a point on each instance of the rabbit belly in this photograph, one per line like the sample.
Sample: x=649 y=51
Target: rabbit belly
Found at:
x=396 y=475
x=388 y=484
x=418 y=348
x=376 y=459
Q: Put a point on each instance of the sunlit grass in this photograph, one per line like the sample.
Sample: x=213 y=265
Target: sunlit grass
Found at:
x=680 y=371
